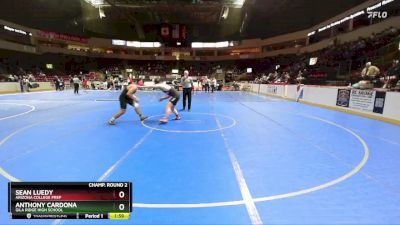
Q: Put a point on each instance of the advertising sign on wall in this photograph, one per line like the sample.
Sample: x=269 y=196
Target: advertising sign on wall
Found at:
x=363 y=100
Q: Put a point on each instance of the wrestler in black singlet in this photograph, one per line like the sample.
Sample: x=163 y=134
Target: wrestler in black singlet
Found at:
x=174 y=95
x=125 y=99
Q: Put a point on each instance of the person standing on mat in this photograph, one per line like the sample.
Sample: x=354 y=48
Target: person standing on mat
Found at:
x=21 y=84
x=188 y=87
x=71 y=82
x=76 y=82
x=127 y=97
x=56 y=83
x=207 y=84
x=213 y=84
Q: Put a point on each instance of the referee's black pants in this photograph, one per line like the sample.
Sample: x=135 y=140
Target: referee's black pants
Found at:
x=187 y=93
x=207 y=87
x=76 y=88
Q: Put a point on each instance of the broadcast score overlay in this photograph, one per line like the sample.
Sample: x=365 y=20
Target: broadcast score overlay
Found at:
x=70 y=200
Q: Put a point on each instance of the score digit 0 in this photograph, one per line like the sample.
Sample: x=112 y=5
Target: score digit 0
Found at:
x=121 y=194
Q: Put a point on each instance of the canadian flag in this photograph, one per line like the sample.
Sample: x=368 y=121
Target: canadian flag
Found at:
x=165 y=31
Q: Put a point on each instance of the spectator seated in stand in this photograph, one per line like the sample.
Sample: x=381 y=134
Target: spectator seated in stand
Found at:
x=236 y=86
x=11 y=78
x=392 y=76
x=31 y=77
x=271 y=77
x=369 y=77
x=332 y=61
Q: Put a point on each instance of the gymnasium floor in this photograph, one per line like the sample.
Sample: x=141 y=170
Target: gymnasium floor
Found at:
x=237 y=158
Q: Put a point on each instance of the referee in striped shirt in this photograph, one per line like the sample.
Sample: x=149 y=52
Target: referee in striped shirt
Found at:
x=187 y=84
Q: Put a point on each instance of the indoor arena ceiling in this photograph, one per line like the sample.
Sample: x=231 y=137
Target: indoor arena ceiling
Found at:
x=128 y=18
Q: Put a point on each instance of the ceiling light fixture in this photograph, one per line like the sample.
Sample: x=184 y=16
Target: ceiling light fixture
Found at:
x=239 y=2
x=225 y=13
x=95 y=3
x=101 y=13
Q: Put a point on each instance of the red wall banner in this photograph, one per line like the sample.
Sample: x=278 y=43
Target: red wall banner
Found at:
x=62 y=37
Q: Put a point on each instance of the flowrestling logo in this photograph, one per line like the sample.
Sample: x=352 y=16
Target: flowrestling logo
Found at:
x=377 y=14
